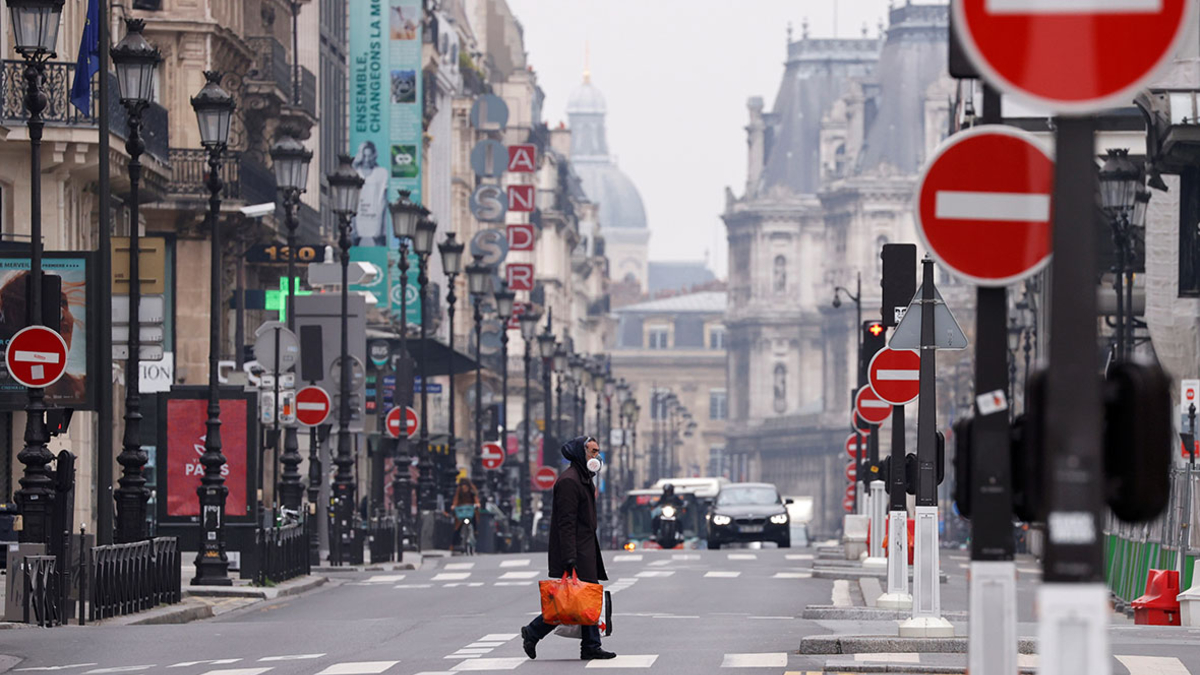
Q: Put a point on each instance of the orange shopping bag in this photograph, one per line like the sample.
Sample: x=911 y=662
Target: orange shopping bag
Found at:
x=571 y=602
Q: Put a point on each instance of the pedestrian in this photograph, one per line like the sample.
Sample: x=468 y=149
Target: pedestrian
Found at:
x=573 y=543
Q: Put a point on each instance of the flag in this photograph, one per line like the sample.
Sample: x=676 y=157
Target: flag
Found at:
x=88 y=63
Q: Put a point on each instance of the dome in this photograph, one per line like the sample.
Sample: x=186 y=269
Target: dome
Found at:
x=619 y=200
x=586 y=99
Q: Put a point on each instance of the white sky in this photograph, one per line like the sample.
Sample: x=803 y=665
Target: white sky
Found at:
x=676 y=75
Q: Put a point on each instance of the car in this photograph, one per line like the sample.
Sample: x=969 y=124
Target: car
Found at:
x=746 y=512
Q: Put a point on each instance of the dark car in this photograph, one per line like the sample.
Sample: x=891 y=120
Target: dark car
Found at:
x=748 y=512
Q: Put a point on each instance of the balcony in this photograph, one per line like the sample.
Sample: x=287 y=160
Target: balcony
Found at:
x=272 y=78
x=60 y=112
x=244 y=179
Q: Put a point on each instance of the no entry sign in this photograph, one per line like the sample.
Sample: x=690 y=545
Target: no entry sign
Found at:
x=853 y=446
x=848 y=504
x=895 y=375
x=851 y=471
x=983 y=205
x=493 y=456
x=1073 y=56
x=870 y=407
x=36 y=357
x=401 y=416
x=312 y=406
x=543 y=478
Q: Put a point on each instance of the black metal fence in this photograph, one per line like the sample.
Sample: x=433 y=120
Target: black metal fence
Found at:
x=43 y=590
x=126 y=578
x=381 y=537
x=283 y=552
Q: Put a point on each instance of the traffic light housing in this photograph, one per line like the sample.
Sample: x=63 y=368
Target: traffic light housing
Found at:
x=899 y=280
x=874 y=338
x=962 y=465
x=1138 y=441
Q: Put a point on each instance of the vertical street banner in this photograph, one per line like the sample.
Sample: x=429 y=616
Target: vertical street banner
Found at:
x=186 y=432
x=386 y=117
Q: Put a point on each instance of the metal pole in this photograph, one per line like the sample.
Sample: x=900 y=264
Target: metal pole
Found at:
x=1118 y=282
x=212 y=565
x=402 y=481
x=105 y=498
x=426 y=486
x=343 y=481
x=506 y=490
x=477 y=461
x=452 y=458
x=132 y=496
x=1186 y=521
x=897 y=596
x=288 y=486
x=526 y=496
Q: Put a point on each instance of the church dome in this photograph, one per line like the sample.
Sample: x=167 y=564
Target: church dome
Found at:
x=586 y=99
x=619 y=200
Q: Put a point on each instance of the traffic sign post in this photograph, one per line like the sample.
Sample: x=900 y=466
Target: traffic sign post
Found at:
x=36 y=357
x=895 y=378
x=313 y=406
x=493 y=456
x=544 y=477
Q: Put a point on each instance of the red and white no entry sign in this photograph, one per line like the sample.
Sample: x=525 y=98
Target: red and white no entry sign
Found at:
x=983 y=205
x=493 y=456
x=401 y=422
x=1073 y=56
x=312 y=406
x=543 y=478
x=848 y=504
x=870 y=407
x=853 y=446
x=36 y=357
x=851 y=471
x=895 y=375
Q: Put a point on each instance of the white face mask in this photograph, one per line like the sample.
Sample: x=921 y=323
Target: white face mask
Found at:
x=594 y=465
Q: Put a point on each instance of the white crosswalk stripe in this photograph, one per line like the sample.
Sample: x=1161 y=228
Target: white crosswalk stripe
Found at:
x=460 y=566
x=50 y=668
x=519 y=575
x=766 y=660
x=515 y=563
x=743 y=556
x=723 y=575
x=413 y=586
x=214 y=662
x=792 y=575
x=513 y=583
x=292 y=657
x=385 y=578
x=118 y=669
x=499 y=637
x=799 y=556
x=468 y=584
x=451 y=576
x=625 y=661
x=358 y=668
x=633 y=557
x=684 y=556
x=491 y=664
x=655 y=573
x=1153 y=665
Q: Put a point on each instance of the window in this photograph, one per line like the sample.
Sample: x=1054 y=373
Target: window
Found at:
x=718 y=404
x=716 y=337
x=658 y=337
x=780 y=275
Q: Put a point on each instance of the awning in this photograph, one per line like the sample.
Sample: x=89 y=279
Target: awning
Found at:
x=439 y=359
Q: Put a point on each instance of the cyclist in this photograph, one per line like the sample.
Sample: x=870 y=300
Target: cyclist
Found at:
x=465 y=506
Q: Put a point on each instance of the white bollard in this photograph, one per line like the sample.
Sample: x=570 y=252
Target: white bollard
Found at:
x=897 y=596
x=1189 y=600
x=877 y=506
x=1073 y=629
x=927 y=618
x=992 y=635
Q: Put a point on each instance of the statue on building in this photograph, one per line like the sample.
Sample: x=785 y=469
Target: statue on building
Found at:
x=780 y=388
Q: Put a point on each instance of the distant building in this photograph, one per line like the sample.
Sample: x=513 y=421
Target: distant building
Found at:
x=678 y=276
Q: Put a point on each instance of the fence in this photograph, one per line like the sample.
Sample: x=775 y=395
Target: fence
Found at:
x=283 y=553
x=121 y=579
x=1133 y=549
x=381 y=537
x=43 y=590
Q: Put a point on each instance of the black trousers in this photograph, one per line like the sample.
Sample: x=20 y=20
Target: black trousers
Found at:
x=591 y=634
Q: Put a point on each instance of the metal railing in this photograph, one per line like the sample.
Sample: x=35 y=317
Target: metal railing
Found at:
x=271 y=63
x=283 y=553
x=1133 y=549
x=121 y=579
x=43 y=590
x=381 y=537
x=243 y=178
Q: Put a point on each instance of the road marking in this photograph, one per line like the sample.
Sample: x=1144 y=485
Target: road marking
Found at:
x=661 y=563
x=799 y=556
x=468 y=584
x=723 y=575
x=964 y=566
x=73 y=665
x=119 y=669
x=841 y=593
x=476 y=645
x=292 y=657
x=1028 y=570
x=491 y=664
x=469 y=650
x=358 y=668
x=684 y=556
x=459 y=657
x=513 y=583
x=500 y=637
x=772 y=618
x=515 y=563
x=1027 y=660
x=743 y=556
x=625 y=661
x=889 y=656
x=655 y=573
x=960 y=557
x=413 y=586
x=215 y=662
x=627 y=558
x=792 y=575
x=238 y=671
x=519 y=575
x=674 y=616
x=385 y=578
x=451 y=576
x=768 y=660
x=1153 y=665
x=460 y=566
x=1019 y=207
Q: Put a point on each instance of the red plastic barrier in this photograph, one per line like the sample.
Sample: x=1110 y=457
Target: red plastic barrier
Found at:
x=1160 y=605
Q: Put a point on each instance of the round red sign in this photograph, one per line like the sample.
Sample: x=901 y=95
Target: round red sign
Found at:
x=544 y=477
x=851 y=471
x=397 y=416
x=1072 y=56
x=36 y=357
x=870 y=407
x=895 y=375
x=852 y=446
x=312 y=406
x=848 y=504
x=983 y=205
x=492 y=456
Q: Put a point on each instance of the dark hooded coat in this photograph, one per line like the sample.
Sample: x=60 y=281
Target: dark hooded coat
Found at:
x=573 y=518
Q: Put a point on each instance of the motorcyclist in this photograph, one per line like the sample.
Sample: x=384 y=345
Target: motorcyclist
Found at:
x=667 y=498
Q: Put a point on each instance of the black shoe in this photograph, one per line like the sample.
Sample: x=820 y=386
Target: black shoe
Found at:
x=528 y=643
x=590 y=654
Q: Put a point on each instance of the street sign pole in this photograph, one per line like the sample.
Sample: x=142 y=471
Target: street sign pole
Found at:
x=875 y=505
x=1072 y=632
x=897 y=596
x=926 y=620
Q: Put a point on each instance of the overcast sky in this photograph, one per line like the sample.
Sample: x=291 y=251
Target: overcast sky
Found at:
x=676 y=75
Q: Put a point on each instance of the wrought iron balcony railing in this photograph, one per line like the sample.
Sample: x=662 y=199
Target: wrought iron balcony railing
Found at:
x=244 y=178
x=272 y=65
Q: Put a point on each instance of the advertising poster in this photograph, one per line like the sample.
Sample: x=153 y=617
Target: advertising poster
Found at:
x=411 y=306
x=71 y=391
x=186 y=432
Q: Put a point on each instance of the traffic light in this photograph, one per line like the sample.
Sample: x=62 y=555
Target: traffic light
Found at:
x=910 y=466
x=962 y=465
x=1138 y=441
x=899 y=280
x=874 y=338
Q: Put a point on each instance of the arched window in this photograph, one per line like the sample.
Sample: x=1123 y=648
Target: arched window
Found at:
x=780 y=274
x=780 y=388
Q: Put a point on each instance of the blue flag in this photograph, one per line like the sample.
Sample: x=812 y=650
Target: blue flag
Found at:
x=89 y=60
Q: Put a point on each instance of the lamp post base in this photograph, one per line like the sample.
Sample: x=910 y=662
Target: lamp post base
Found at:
x=212 y=571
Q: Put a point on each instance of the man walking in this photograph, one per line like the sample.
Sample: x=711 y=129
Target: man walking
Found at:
x=573 y=542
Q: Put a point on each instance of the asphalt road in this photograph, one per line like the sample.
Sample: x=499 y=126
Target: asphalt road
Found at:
x=675 y=612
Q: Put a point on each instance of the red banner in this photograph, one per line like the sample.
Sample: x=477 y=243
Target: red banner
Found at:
x=186 y=432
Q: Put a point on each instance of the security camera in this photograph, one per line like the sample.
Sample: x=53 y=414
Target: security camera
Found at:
x=258 y=210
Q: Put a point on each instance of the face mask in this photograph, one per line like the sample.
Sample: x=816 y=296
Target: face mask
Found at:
x=594 y=465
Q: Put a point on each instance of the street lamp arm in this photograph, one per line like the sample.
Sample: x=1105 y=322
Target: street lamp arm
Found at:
x=856 y=299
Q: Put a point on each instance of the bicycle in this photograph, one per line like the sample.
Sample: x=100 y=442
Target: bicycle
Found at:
x=466 y=531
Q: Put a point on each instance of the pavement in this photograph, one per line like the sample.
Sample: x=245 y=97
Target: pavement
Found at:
x=675 y=612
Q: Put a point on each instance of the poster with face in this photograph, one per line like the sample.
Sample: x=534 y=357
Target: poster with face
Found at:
x=186 y=432
x=71 y=391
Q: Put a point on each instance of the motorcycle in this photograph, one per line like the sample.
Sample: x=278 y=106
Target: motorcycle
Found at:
x=668 y=528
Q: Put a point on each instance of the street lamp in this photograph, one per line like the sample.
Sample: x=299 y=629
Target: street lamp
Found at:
x=35 y=31
x=856 y=298
x=504 y=312
x=529 y=321
x=290 y=159
x=546 y=348
x=1119 y=180
x=135 y=61
x=406 y=216
x=478 y=277
x=451 y=250
x=347 y=186
x=423 y=246
x=1014 y=343
x=214 y=110
x=561 y=366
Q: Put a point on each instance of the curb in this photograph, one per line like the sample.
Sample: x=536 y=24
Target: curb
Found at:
x=832 y=573
x=875 y=644
x=834 y=613
x=196 y=610
x=289 y=587
x=908 y=668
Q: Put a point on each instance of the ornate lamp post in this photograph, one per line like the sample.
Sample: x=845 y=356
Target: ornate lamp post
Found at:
x=581 y=378
x=426 y=485
x=629 y=424
x=451 y=250
x=290 y=160
x=35 y=32
x=504 y=311
x=214 y=112
x=560 y=367
x=405 y=217
x=546 y=348
x=1119 y=179
x=529 y=322
x=346 y=185
x=856 y=298
x=1014 y=343
x=135 y=61
x=478 y=280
